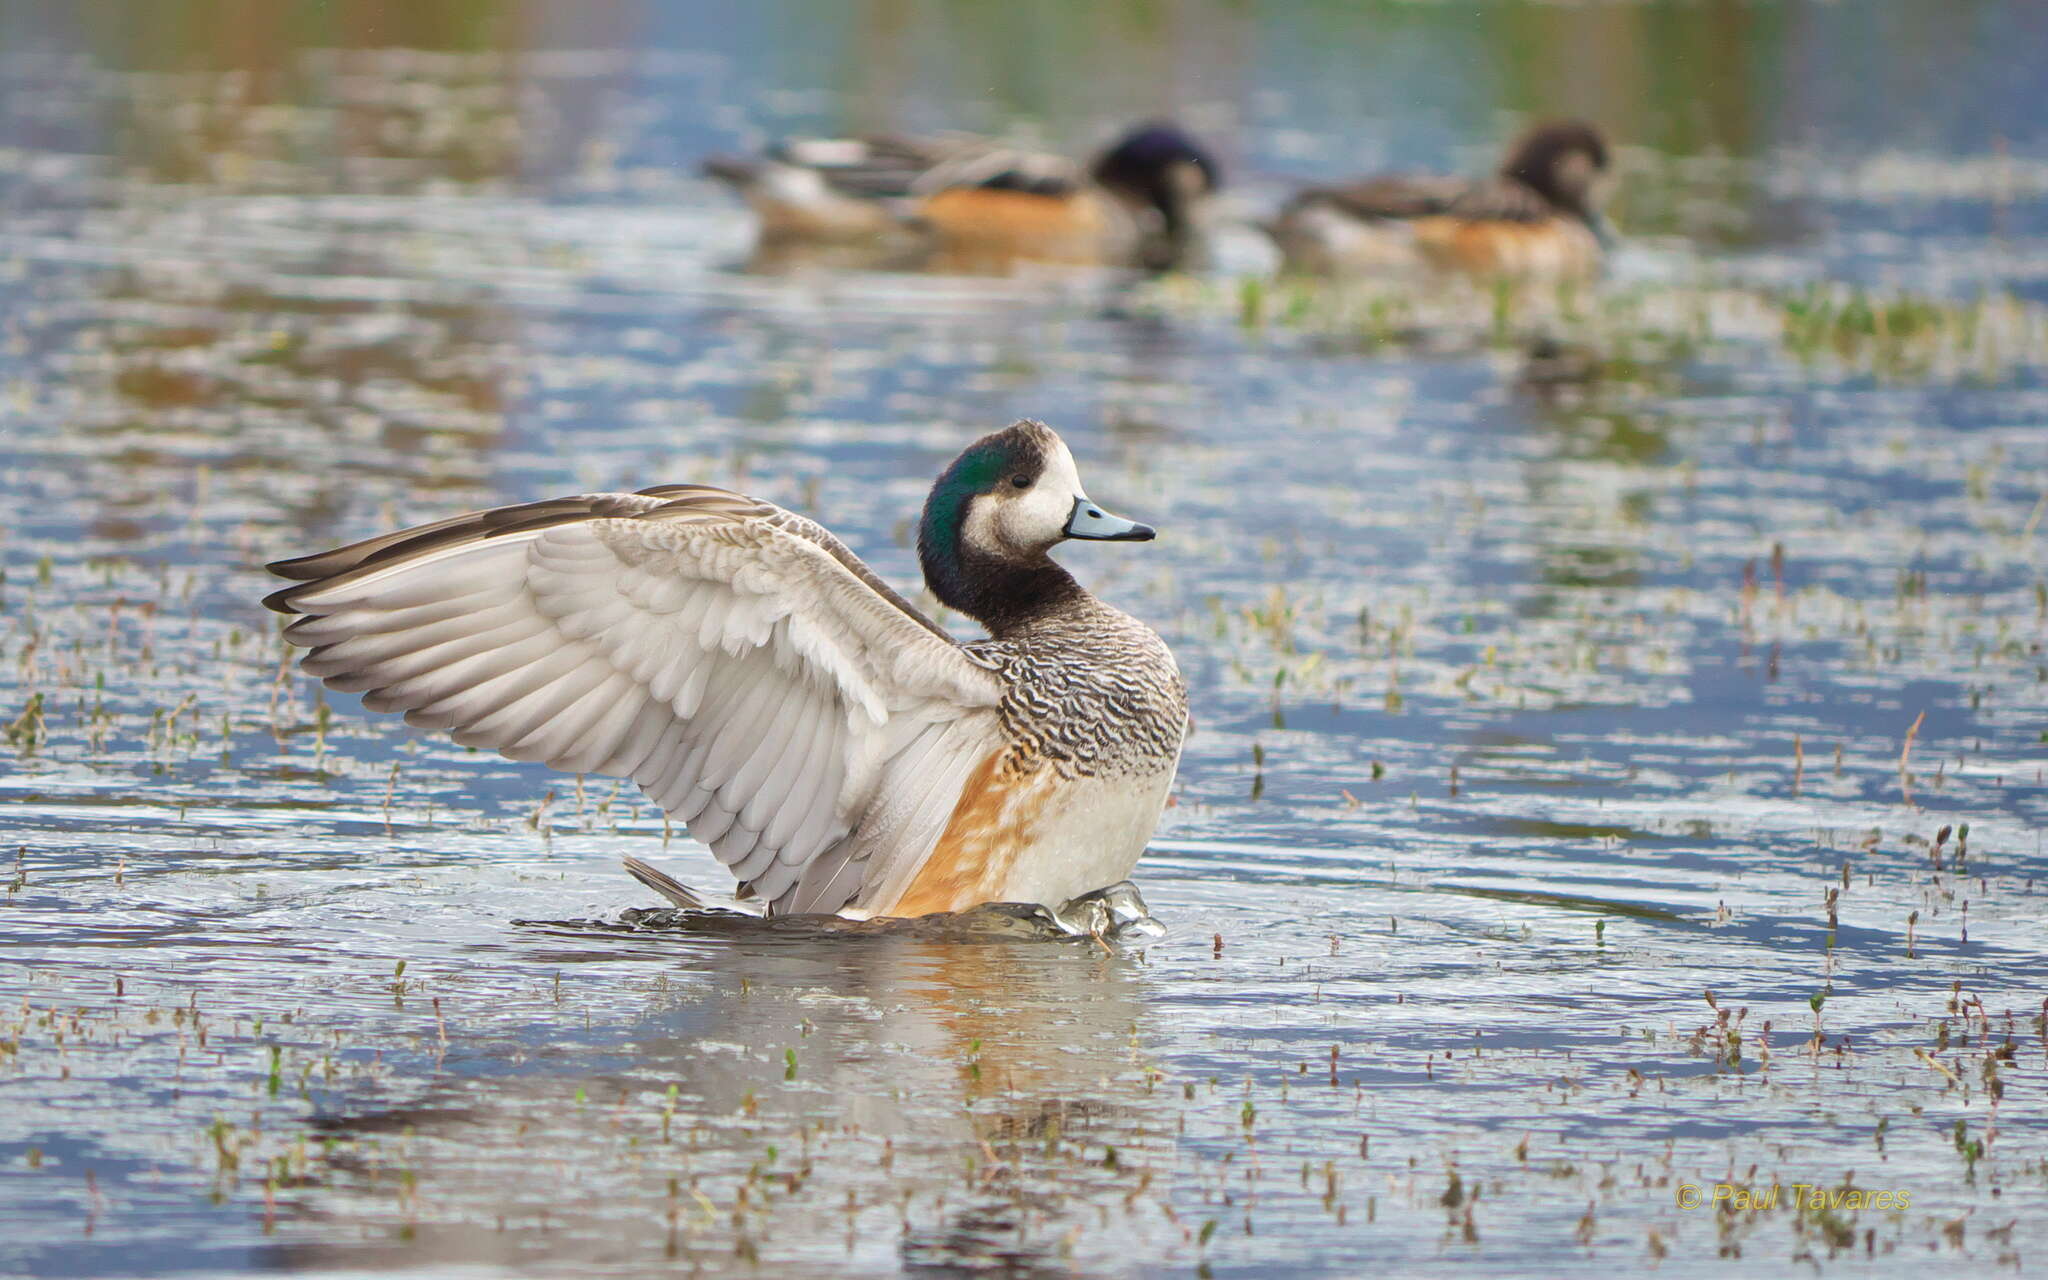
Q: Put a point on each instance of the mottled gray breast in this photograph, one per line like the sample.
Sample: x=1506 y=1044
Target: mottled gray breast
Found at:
x=1092 y=693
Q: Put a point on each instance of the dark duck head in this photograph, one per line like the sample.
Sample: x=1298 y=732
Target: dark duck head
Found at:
x=1563 y=161
x=995 y=513
x=1157 y=166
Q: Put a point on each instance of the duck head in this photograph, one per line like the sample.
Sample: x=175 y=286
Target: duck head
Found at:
x=996 y=511
x=1563 y=161
x=1158 y=166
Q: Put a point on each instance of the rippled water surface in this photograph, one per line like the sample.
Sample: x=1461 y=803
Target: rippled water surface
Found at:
x=1592 y=690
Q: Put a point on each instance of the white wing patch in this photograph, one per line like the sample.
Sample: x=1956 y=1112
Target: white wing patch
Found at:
x=806 y=727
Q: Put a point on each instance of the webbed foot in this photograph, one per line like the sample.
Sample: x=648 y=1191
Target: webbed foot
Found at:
x=1115 y=915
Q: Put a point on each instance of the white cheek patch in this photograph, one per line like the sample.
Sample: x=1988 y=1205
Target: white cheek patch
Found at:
x=1037 y=517
x=980 y=530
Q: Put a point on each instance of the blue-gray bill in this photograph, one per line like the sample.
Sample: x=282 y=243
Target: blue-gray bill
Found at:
x=1093 y=523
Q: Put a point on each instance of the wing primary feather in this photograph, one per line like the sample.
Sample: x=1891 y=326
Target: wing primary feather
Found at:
x=749 y=716
x=774 y=787
x=351 y=618
x=389 y=658
x=758 y=857
x=538 y=691
x=712 y=822
x=639 y=741
x=708 y=727
x=468 y=687
x=762 y=772
x=590 y=724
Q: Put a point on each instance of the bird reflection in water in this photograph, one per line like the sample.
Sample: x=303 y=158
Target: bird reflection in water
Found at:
x=951 y=1091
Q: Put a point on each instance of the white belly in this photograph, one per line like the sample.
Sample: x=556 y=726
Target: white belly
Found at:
x=1320 y=240
x=1089 y=837
x=796 y=201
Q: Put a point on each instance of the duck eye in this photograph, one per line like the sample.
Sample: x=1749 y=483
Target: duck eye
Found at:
x=1022 y=482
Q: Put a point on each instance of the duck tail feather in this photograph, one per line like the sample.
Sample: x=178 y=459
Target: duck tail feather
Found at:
x=666 y=885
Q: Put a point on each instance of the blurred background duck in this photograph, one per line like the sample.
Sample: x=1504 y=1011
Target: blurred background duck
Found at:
x=956 y=201
x=1538 y=217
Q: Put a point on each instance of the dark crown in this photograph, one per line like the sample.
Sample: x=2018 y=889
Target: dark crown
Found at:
x=1538 y=160
x=1141 y=158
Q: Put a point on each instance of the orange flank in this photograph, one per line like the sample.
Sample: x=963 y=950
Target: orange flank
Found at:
x=990 y=826
x=1020 y=221
x=1554 y=246
x=834 y=220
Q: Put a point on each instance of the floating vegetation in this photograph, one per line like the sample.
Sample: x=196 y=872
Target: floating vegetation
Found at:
x=1633 y=333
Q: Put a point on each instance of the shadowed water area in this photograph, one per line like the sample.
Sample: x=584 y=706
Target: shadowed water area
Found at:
x=1592 y=689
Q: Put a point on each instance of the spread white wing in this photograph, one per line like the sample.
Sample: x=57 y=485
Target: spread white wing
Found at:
x=734 y=659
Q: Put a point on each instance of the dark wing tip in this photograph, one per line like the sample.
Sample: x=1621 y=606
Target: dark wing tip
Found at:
x=301 y=568
x=388 y=548
x=280 y=601
x=476 y=526
x=732 y=169
x=673 y=490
